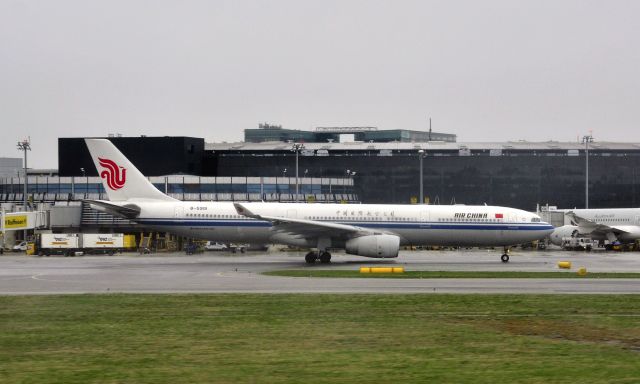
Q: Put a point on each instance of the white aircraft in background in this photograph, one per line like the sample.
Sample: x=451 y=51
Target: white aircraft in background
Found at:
x=361 y=229
x=615 y=224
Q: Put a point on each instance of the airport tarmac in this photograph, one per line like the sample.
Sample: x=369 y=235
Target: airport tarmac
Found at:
x=215 y=272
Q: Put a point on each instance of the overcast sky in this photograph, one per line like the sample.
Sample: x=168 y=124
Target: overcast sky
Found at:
x=484 y=70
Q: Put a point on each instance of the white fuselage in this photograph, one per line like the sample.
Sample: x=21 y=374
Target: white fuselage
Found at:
x=414 y=224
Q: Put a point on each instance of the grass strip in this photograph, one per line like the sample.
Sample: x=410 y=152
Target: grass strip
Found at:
x=309 y=272
x=296 y=338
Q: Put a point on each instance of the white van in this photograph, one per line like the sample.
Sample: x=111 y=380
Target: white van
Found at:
x=214 y=246
x=20 y=247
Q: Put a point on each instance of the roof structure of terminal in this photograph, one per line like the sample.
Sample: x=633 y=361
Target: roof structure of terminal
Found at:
x=427 y=146
x=269 y=132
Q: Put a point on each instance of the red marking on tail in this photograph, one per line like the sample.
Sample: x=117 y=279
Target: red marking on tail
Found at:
x=112 y=173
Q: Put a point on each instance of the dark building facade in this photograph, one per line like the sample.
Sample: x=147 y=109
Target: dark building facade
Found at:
x=153 y=156
x=519 y=174
x=514 y=174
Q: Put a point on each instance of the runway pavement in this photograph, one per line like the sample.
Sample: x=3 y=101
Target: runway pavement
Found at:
x=222 y=272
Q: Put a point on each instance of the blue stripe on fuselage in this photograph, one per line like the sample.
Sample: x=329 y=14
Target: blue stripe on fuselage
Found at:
x=363 y=224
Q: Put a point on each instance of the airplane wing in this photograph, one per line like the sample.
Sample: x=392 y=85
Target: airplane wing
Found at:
x=590 y=226
x=308 y=228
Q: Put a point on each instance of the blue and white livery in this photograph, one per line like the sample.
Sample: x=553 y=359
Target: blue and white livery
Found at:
x=370 y=230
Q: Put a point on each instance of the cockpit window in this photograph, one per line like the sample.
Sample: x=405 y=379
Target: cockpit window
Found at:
x=535 y=219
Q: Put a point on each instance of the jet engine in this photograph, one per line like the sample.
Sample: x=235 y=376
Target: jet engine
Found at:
x=631 y=234
x=564 y=231
x=379 y=246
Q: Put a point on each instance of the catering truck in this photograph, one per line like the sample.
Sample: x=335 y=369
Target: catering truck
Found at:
x=71 y=244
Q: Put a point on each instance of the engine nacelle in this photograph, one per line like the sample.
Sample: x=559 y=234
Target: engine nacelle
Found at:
x=564 y=231
x=379 y=246
x=631 y=234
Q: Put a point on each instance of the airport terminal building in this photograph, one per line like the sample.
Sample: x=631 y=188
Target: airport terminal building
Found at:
x=273 y=133
x=520 y=174
x=515 y=174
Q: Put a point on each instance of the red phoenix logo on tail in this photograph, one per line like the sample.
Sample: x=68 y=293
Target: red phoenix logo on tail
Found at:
x=115 y=179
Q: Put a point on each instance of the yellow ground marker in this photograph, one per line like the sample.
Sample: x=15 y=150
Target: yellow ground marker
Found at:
x=381 y=269
x=564 y=264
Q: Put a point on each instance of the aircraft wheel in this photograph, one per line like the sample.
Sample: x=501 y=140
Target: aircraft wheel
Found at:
x=310 y=258
x=504 y=258
x=325 y=257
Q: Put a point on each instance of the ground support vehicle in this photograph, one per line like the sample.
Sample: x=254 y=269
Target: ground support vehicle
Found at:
x=577 y=244
x=71 y=244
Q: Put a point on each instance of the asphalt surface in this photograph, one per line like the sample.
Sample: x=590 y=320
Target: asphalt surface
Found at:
x=215 y=272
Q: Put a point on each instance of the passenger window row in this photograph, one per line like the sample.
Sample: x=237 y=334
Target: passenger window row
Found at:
x=214 y=216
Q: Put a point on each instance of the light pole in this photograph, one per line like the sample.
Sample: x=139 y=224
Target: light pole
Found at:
x=420 y=197
x=86 y=182
x=586 y=140
x=350 y=174
x=297 y=147
x=284 y=175
x=25 y=146
x=304 y=179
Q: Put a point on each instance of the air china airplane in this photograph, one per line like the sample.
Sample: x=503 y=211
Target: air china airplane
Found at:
x=616 y=224
x=361 y=229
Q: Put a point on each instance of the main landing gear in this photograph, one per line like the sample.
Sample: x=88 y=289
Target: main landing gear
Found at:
x=323 y=256
x=311 y=257
x=505 y=255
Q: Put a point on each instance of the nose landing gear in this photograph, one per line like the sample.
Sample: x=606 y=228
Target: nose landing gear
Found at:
x=505 y=255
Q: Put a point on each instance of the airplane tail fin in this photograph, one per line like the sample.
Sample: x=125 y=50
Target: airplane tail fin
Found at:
x=121 y=179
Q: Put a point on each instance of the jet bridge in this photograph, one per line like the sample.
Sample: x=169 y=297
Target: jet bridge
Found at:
x=20 y=221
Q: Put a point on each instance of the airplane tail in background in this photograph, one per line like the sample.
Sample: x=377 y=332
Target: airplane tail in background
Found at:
x=120 y=178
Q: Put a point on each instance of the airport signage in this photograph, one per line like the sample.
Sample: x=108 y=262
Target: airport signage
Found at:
x=15 y=221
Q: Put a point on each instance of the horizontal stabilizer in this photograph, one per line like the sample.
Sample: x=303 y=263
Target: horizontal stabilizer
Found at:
x=127 y=211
